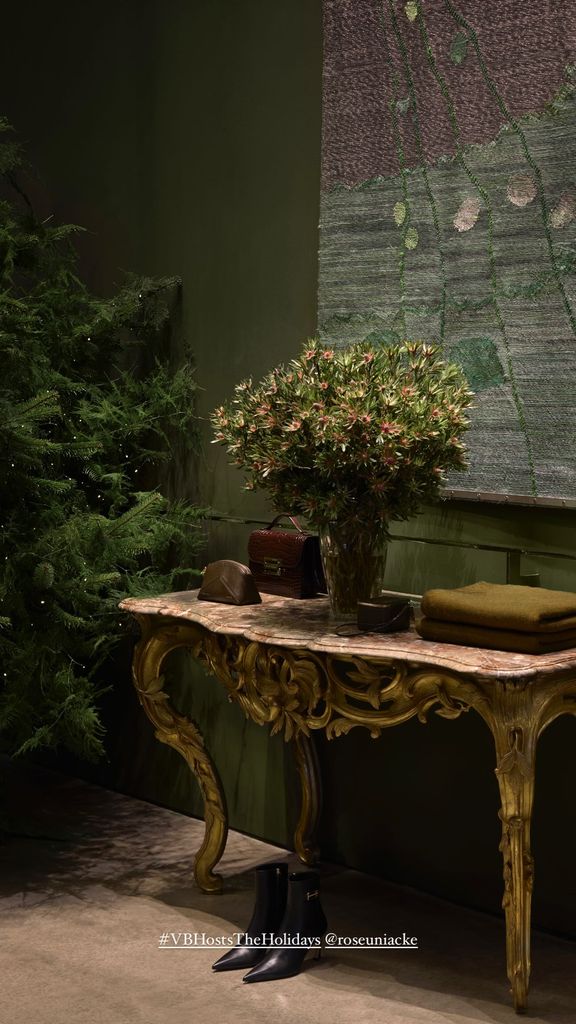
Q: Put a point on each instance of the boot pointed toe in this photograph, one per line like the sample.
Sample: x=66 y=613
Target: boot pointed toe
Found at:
x=239 y=959
x=274 y=966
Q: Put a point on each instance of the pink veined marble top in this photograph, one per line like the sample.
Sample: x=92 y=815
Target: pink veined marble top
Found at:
x=305 y=624
x=297 y=624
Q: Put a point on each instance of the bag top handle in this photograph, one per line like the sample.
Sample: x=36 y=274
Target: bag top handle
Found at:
x=285 y=515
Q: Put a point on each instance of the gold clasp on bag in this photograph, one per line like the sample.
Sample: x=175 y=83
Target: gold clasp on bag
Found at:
x=273 y=566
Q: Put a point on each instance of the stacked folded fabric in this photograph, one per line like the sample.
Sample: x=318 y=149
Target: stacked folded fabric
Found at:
x=500 y=616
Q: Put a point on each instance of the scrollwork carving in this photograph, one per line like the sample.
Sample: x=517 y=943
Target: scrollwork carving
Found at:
x=275 y=687
x=377 y=694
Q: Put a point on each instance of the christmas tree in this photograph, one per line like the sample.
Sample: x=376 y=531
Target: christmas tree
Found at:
x=87 y=416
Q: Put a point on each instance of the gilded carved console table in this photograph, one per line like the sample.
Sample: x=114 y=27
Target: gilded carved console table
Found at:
x=283 y=665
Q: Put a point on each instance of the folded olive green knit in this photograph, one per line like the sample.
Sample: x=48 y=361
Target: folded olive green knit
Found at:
x=496 y=639
x=503 y=606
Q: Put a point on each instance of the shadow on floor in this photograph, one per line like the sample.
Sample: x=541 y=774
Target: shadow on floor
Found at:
x=90 y=878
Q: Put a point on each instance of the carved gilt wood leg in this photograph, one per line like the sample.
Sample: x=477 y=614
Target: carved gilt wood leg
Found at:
x=515 y=733
x=305 y=835
x=179 y=732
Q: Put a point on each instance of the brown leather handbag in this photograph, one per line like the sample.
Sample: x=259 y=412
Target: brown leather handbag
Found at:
x=286 y=562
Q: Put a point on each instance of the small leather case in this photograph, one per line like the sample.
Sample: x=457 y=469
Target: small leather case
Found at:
x=383 y=615
x=229 y=582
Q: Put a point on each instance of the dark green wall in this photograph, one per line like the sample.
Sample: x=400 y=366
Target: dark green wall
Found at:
x=186 y=137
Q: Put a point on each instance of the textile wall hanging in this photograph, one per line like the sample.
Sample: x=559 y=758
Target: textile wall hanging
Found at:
x=449 y=213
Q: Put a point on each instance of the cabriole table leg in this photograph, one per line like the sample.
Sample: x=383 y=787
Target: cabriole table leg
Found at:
x=515 y=749
x=184 y=736
x=305 y=835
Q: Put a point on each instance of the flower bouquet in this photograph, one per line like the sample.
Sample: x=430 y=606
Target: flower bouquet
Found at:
x=350 y=438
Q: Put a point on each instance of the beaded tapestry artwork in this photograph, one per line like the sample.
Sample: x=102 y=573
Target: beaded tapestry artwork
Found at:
x=449 y=212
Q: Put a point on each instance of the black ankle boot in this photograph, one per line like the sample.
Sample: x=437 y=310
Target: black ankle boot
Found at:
x=304 y=920
x=271 y=884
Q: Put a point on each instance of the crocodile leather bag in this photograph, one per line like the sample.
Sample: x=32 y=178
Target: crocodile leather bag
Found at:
x=286 y=562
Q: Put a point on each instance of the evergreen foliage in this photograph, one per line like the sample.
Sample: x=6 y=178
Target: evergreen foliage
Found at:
x=86 y=416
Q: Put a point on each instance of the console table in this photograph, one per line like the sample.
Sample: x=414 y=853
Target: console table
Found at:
x=283 y=662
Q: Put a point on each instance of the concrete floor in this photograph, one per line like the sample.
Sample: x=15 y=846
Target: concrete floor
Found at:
x=89 y=879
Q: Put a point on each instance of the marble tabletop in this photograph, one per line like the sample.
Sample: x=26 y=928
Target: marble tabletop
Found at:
x=306 y=624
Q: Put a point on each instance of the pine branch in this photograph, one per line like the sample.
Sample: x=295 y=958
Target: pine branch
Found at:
x=88 y=409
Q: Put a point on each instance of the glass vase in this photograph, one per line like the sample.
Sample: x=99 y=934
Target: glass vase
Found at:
x=354 y=560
